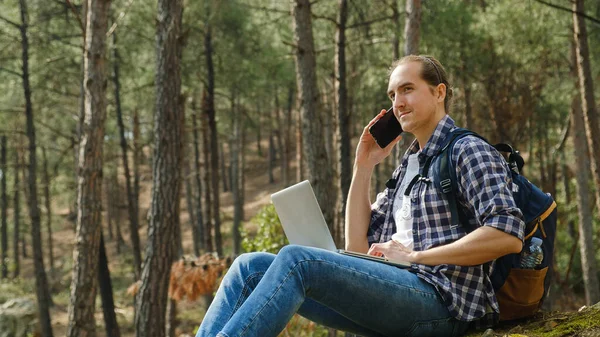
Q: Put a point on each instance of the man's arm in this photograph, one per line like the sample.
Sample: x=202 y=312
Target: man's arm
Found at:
x=480 y=246
x=358 y=210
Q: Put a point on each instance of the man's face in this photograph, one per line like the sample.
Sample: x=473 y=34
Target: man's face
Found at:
x=413 y=99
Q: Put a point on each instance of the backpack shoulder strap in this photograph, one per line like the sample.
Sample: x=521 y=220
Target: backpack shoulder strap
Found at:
x=447 y=174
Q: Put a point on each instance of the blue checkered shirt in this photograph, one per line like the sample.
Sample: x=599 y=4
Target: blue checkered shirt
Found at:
x=484 y=192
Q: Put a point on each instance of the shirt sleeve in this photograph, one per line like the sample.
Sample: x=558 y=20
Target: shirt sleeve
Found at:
x=378 y=211
x=484 y=180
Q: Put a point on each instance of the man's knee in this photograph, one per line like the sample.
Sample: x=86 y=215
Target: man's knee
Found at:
x=249 y=263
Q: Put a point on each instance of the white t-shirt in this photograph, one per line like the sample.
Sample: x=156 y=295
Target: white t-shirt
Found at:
x=402 y=210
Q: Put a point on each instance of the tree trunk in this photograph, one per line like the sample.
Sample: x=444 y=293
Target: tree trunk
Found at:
x=202 y=234
x=567 y=187
x=163 y=228
x=48 y=209
x=343 y=132
x=209 y=110
x=113 y=198
x=137 y=159
x=189 y=198
x=89 y=187
x=585 y=206
x=299 y=149
x=131 y=203
x=41 y=281
x=316 y=155
x=208 y=237
x=106 y=293
x=288 y=140
x=280 y=142
x=108 y=196
x=17 y=215
x=258 y=133
x=236 y=120
x=272 y=158
x=4 y=208
x=412 y=27
x=224 y=169
x=586 y=88
x=172 y=321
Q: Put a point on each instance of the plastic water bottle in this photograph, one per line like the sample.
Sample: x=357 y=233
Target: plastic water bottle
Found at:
x=532 y=255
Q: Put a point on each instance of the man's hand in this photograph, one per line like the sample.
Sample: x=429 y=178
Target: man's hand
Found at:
x=392 y=250
x=368 y=153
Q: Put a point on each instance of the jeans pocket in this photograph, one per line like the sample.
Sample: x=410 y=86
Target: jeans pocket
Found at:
x=436 y=328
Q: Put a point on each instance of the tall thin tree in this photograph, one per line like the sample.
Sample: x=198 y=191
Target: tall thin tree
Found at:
x=111 y=326
x=89 y=187
x=343 y=132
x=131 y=202
x=312 y=138
x=4 y=207
x=162 y=247
x=586 y=89
x=584 y=206
x=200 y=239
x=48 y=207
x=17 y=217
x=209 y=110
x=41 y=281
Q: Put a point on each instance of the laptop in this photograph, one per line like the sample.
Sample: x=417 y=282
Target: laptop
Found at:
x=303 y=222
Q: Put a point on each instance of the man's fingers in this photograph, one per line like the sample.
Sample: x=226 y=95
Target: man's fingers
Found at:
x=375 y=119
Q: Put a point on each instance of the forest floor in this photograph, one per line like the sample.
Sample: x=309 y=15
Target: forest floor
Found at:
x=258 y=191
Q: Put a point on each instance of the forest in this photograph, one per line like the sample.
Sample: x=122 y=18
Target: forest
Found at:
x=140 y=140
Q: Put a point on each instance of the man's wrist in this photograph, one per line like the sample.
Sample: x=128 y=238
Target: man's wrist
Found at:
x=415 y=257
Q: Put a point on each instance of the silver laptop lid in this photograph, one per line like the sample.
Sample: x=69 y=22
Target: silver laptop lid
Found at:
x=301 y=217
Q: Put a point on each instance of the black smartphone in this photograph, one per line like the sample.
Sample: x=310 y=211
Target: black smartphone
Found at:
x=386 y=129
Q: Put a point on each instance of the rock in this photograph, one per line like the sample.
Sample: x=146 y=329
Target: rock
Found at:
x=18 y=318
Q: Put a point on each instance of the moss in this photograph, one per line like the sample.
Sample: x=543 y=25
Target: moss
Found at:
x=557 y=324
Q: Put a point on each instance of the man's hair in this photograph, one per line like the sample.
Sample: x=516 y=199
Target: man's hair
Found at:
x=432 y=72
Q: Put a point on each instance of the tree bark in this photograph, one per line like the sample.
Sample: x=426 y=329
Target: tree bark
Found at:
x=314 y=146
x=4 y=208
x=89 y=187
x=223 y=164
x=343 y=134
x=137 y=159
x=41 y=281
x=236 y=177
x=106 y=293
x=48 y=208
x=17 y=216
x=208 y=237
x=163 y=229
x=209 y=110
x=412 y=27
x=201 y=239
x=585 y=206
x=586 y=88
x=272 y=155
x=288 y=140
x=131 y=199
x=280 y=142
x=189 y=198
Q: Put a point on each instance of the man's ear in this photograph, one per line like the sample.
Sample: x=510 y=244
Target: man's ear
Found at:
x=441 y=92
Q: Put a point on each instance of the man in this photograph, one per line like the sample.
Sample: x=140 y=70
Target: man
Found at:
x=446 y=287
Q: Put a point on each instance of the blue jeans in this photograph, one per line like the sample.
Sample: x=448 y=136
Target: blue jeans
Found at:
x=261 y=292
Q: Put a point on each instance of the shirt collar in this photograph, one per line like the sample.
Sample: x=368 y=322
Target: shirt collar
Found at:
x=436 y=140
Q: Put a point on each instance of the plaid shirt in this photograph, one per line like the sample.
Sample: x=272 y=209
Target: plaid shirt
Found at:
x=484 y=191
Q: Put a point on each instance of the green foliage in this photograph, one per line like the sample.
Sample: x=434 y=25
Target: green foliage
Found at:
x=269 y=236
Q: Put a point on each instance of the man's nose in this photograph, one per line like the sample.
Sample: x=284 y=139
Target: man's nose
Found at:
x=399 y=102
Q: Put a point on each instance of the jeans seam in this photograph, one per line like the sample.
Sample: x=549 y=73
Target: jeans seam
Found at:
x=239 y=302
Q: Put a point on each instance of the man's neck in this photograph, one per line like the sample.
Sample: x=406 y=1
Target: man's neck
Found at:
x=425 y=133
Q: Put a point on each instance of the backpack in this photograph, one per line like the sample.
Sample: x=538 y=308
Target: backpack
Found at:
x=520 y=292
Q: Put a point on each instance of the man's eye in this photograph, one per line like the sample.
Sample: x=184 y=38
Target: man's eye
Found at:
x=407 y=89
x=392 y=96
